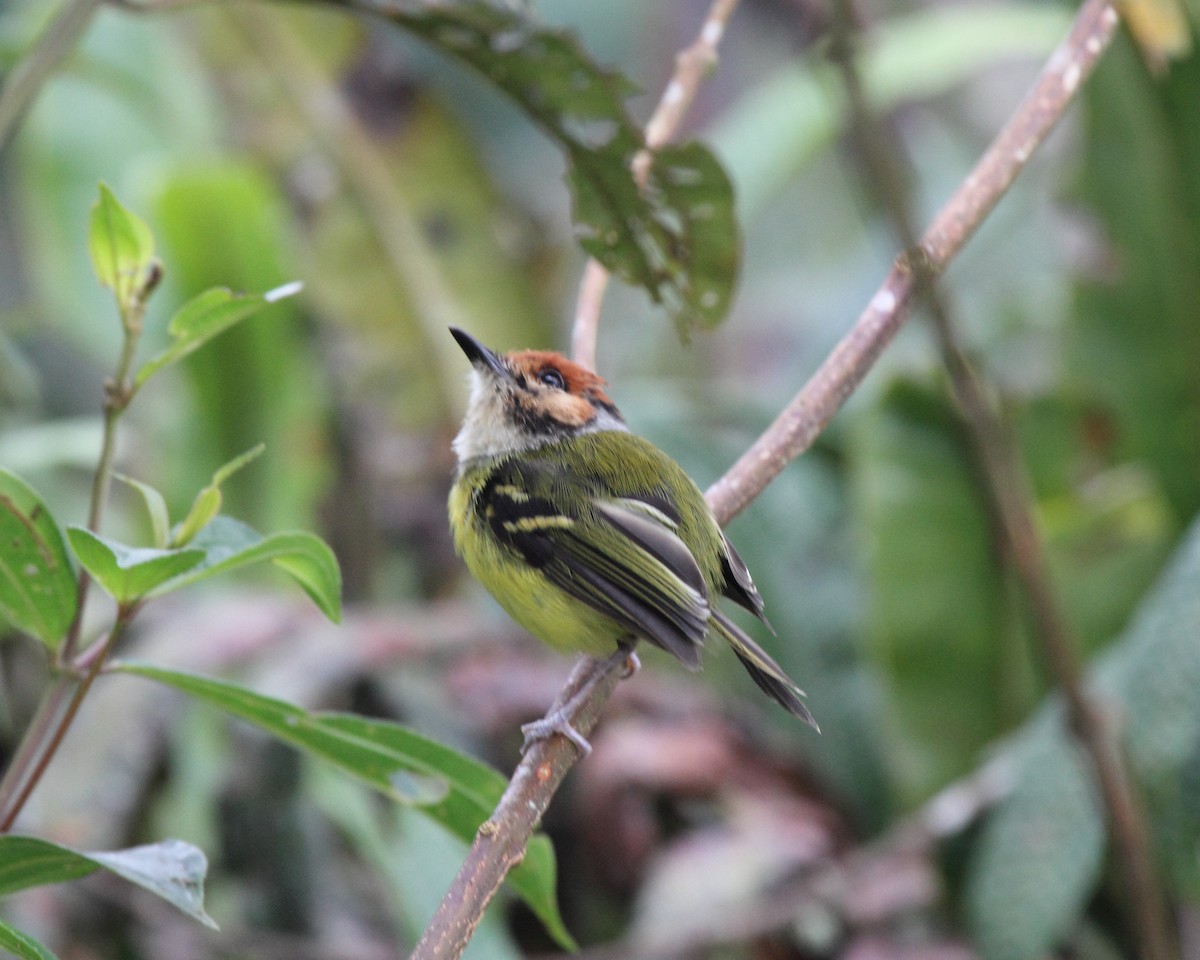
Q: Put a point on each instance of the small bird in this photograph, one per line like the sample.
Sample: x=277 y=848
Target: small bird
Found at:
x=588 y=535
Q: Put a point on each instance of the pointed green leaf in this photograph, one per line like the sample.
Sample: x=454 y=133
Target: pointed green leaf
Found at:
x=208 y=501
x=172 y=869
x=22 y=945
x=37 y=584
x=128 y=573
x=206 y=315
x=156 y=508
x=121 y=247
x=1039 y=856
x=228 y=544
x=204 y=509
x=455 y=790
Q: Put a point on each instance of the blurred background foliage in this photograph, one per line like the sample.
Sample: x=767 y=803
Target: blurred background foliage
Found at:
x=268 y=143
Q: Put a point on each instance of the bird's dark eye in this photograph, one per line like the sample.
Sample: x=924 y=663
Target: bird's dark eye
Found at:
x=552 y=378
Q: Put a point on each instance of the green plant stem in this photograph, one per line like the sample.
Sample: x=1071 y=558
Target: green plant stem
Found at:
x=47 y=53
x=74 y=675
x=57 y=711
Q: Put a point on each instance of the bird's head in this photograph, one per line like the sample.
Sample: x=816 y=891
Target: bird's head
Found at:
x=527 y=398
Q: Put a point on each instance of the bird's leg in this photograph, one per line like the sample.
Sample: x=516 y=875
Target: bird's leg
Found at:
x=558 y=720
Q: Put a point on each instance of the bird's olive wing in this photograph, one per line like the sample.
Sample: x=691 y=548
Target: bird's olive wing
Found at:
x=620 y=556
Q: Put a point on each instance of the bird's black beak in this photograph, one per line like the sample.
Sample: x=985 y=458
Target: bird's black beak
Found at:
x=479 y=355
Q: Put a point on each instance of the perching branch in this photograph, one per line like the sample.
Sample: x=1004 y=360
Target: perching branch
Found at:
x=1007 y=489
x=691 y=66
x=541 y=770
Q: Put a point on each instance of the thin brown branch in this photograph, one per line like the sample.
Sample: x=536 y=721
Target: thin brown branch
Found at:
x=538 y=775
x=794 y=430
x=1007 y=488
x=500 y=843
x=691 y=66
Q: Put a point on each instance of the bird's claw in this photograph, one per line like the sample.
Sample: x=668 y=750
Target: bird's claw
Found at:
x=556 y=722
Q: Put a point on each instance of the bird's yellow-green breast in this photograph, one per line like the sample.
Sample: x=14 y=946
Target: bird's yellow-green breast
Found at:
x=605 y=465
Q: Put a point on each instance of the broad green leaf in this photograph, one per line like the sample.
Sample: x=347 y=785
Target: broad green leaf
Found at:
x=203 y=317
x=228 y=544
x=1039 y=856
x=930 y=555
x=121 y=247
x=173 y=870
x=642 y=236
x=156 y=508
x=208 y=501
x=1150 y=678
x=128 y=573
x=22 y=945
x=455 y=790
x=1139 y=379
x=37 y=584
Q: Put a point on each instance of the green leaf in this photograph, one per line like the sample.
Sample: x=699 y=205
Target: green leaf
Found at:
x=691 y=181
x=121 y=247
x=454 y=790
x=129 y=573
x=227 y=544
x=931 y=551
x=37 y=583
x=651 y=238
x=1039 y=856
x=173 y=870
x=208 y=501
x=22 y=945
x=156 y=508
x=203 y=317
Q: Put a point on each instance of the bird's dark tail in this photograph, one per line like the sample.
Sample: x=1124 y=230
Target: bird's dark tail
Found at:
x=764 y=670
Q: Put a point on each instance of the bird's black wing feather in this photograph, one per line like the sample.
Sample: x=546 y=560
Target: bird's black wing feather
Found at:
x=620 y=556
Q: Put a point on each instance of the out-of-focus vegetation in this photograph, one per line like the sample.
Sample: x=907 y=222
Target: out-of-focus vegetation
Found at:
x=266 y=144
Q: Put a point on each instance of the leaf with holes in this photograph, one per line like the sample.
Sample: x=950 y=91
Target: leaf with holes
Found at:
x=671 y=238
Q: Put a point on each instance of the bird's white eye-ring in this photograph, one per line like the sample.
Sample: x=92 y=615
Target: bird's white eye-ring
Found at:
x=552 y=378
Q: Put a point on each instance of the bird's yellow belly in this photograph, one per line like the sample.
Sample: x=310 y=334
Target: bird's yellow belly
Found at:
x=550 y=614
